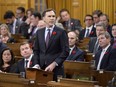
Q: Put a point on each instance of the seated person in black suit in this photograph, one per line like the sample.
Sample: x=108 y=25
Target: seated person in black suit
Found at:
x=105 y=58
x=93 y=43
x=75 y=54
x=2 y=45
x=28 y=59
x=113 y=41
x=6 y=60
x=96 y=16
x=89 y=30
x=70 y=24
x=104 y=18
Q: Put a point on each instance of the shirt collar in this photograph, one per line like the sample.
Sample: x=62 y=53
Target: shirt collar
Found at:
x=106 y=47
x=29 y=58
x=90 y=28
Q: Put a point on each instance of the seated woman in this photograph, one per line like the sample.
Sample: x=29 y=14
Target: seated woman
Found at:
x=6 y=60
x=5 y=34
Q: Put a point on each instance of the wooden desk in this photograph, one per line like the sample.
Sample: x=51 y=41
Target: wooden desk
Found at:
x=102 y=77
x=40 y=76
x=77 y=68
x=72 y=83
x=14 y=80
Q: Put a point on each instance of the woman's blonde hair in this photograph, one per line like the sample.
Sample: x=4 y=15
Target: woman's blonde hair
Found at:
x=4 y=25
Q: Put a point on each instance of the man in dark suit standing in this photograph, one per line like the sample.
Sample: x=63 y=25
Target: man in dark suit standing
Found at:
x=75 y=54
x=51 y=45
x=106 y=57
x=70 y=24
x=89 y=31
x=27 y=61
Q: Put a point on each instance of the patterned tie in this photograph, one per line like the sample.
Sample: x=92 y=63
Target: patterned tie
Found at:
x=48 y=37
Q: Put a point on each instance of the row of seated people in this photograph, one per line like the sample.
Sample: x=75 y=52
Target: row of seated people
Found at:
x=29 y=27
x=77 y=54
x=55 y=64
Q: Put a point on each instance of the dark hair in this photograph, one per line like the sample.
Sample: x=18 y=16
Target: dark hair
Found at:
x=31 y=10
x=47 y=10
x=113 y=25
x=63 y=10
x=97 y=12
x=12 y=57
x=8 y=14
x=107 y=17
x=37 y=14
x=22 y=9
x=26 y=42
x=88 y=15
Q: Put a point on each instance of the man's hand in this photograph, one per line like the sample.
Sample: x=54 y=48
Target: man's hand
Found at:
x=51 y=67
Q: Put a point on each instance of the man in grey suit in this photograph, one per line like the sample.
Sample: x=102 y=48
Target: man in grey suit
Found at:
x=93 y=44
x=12 y=22
x=70 y=24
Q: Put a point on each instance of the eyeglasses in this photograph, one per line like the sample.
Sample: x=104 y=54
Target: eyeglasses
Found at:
x=88 y=19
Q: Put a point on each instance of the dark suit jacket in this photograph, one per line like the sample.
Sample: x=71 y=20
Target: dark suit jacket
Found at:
x=19 y=66
x=2 y=46
x=109 y=59
x=109 y=30
x=76 y=55
x=92 y=44
x=92 y=33
x=17 y=27
x=75 y=24
x=24 y=30
x=57 y=50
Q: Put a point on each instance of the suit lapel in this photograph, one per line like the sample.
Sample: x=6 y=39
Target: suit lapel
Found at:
x=78 y=52
x=54 y=33
x=105 y=56
x=43 y=39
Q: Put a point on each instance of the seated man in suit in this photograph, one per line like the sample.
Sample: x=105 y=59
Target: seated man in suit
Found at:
x=105 y=58
x=75 y=54
x=104 y=18
x=70 y=24
x=28 y=59
x=96 y=17
x=12 y=22
x=113 y=41
x=93 y=43
x=89 y=31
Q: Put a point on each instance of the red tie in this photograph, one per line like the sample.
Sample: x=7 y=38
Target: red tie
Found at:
x=48 y=37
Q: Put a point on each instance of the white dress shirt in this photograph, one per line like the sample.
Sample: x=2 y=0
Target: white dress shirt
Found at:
x=101 y=56
x=90 y=28
x=46 y=31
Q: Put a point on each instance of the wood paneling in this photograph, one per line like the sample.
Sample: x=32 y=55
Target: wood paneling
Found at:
x=79 y=8
x=11 y=5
